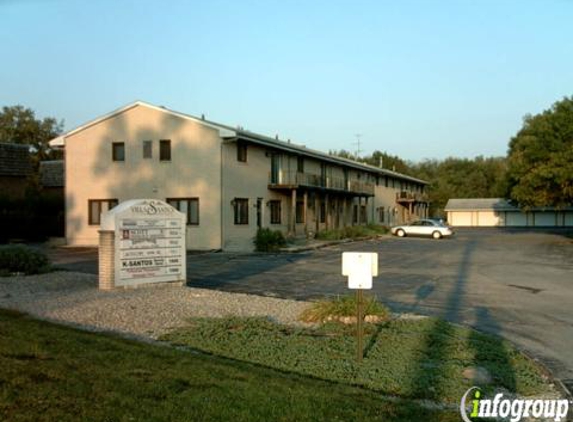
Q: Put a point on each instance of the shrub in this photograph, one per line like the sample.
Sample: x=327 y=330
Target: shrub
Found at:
x=342 y=306
x=21 y=259
x=268 y=240
x=352 y=232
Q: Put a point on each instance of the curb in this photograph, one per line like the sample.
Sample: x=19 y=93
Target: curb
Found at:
x=330 y=243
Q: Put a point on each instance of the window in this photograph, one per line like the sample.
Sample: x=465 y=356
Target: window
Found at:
x=188 y=206
x=118 y=151
x=363 y=213
x=96 y=207
x=381 y=213
x=165 y=150
x=299 y=212
x=241 y=151
x=322 y=212
x=241 y=208
x=275 y=212
x=354 y=214
x=147 y=149
x=300 y=164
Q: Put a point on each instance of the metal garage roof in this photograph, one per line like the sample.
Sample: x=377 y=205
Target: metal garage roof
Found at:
x=493 y=204
x=480 y=204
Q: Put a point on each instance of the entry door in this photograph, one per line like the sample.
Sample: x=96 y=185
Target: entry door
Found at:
x=259 y=212
x=275 y=166
x=323 y=169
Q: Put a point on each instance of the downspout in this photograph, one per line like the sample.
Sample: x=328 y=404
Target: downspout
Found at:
x=64 y=157
x=222 y=195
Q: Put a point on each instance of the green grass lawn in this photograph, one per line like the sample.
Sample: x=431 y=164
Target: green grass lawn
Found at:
x=54 y=373
x=418 y=359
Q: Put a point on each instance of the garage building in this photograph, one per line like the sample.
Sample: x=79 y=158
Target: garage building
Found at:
x=499 y=212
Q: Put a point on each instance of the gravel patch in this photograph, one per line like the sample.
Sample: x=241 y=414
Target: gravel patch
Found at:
x=73 y=298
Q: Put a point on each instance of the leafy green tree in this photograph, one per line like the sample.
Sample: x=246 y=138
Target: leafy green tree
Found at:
x=449 y=178
x=461 y=178
x=387 y=161
x=19 y=125
x=540 y=158
x=376 y=159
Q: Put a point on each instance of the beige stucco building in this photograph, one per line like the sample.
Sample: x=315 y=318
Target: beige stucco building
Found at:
x=228 y=181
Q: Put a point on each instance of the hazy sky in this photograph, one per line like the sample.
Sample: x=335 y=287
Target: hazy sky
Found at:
x=418 y=79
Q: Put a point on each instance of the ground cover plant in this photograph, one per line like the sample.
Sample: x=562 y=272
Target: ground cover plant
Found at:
x=352 y=232
x=417 y=359
x=22 y=259
x=343 y=306
x=54 y=373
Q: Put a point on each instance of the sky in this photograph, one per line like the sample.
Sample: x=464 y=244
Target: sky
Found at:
x=417 y=79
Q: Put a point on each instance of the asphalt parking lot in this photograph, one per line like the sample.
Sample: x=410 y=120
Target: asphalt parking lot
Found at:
x=517 y=284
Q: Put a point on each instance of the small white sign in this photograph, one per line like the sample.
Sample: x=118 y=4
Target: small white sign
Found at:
x=360 y=267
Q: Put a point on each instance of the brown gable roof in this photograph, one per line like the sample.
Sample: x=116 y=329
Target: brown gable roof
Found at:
x=15 y=160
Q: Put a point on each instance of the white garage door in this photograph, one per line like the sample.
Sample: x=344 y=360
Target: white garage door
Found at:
x=461 y=218
x=545 y=219
x=488 y=219
x=516 y=218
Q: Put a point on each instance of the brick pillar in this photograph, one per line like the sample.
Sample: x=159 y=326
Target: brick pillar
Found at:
x=106 y=259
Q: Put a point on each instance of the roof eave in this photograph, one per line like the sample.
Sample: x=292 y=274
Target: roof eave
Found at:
x=271 y=143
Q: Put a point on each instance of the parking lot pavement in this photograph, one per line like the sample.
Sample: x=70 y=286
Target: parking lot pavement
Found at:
x=516 y=283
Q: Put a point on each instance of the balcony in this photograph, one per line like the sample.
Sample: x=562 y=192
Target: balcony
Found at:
x=404 y=197
x=294 y=180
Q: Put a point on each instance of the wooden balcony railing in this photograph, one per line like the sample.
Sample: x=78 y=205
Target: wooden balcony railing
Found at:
x=404 y=196
x=295 y=179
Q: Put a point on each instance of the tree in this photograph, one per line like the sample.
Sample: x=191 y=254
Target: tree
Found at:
x=540 y=158
x=387 y=161
x=19 y=125
x=449 y=178
x=377 y=159
x=461 y=178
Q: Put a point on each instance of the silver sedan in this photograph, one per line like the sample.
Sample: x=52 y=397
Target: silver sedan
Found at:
x=424 y=227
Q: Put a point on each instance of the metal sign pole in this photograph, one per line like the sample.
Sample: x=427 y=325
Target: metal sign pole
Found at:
x=359 y=267
x=359 y=320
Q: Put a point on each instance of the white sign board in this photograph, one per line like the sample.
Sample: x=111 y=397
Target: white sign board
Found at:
x=360 y=267
x=149 y=242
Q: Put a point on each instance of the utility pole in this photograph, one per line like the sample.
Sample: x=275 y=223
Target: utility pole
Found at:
x=357 y=143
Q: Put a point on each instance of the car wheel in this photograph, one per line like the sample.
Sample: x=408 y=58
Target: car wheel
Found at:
x=437 y=235
x=400 y=233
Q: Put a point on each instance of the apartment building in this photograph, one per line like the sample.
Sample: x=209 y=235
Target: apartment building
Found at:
x=227 y=180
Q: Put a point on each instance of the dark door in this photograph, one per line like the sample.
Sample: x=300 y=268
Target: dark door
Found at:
x=259 y=212
x=275 y=165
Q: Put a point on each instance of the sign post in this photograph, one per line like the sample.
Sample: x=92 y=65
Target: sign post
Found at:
x=359 y=327
x=359 y=267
